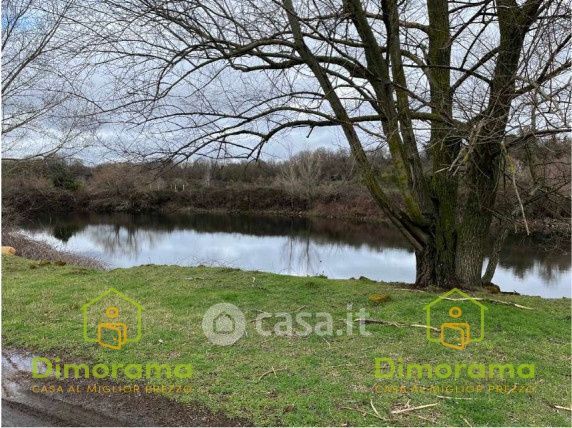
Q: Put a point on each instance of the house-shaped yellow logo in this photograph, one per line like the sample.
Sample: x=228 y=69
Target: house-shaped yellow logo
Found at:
x=112 y=320
x=458 y=319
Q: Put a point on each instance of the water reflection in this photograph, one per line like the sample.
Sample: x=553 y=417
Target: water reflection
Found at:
x=285 y=245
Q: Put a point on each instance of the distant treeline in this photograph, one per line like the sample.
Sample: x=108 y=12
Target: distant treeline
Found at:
x=322 y=182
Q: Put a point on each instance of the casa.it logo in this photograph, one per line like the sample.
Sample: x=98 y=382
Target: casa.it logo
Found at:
x=112 y=320
x=455 y=320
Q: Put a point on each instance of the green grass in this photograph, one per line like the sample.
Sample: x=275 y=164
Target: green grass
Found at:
x=318 y=380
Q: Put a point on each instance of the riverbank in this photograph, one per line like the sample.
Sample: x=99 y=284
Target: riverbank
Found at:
x=290 y=379
x=330 y=189
x=286 y=245
x=43 y=252
x=350 y=204
x=346 y=204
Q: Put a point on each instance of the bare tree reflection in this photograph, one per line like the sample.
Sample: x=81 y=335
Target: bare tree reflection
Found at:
x=300 y=255
x=124 y=241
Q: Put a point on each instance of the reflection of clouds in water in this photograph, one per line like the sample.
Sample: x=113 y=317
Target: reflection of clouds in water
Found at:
x=280 y=254
x=301 y=254
x=190 y=248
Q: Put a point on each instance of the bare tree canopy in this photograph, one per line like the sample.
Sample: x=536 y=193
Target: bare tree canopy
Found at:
x=41 y=111
x=451 y=88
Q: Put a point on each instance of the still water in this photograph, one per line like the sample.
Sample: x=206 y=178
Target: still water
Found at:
x=297 y=246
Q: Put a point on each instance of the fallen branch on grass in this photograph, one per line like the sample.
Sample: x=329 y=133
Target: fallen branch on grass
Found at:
x=410 y=409
x=393 y=323
x=364 y=413
x=453 y=398
x=561 y=407
x=272 y=370
x=502 y=302
x=423 y=418
x=374 y=409
x=466 y=421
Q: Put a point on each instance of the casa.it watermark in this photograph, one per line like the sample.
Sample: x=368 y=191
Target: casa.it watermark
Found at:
x=224 y=324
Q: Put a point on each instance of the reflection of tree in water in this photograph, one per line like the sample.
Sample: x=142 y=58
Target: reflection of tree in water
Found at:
x=522 y=257
x=121 y=240
x=300 y=255
x=549 y=270
x=120 y=234
x=322 y=231
x=65 y=231
x=550 y=273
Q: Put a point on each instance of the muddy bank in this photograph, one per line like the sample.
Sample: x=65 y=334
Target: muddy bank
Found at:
x=38 y=402
x=45 y=253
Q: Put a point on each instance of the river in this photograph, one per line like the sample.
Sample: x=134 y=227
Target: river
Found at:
x=294 y=246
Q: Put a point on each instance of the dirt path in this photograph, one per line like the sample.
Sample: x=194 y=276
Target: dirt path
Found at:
x=21 y=406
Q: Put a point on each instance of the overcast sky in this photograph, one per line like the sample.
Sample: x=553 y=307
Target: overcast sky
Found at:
x=185 y=115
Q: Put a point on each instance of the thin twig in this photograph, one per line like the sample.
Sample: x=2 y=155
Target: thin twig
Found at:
x=363 y=412
x=561 y=407
x=453 y=398
x=374 y=409
x=502 y=302
x=272 y=370
x=425 y=419
x=393 y=323
x=410 y=409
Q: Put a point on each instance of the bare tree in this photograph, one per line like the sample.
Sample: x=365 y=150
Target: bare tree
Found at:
x=301 y=175
x=41 y=111
x=454 y=81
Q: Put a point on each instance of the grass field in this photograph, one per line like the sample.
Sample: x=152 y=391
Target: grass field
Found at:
x=293 y=380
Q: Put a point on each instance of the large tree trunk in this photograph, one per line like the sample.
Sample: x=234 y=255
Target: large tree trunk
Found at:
x=449 y=250
x=484 y=169
x=435 y=263
x=470 y=255
x=447 y=265
x=431 y=272
x=473 y=230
